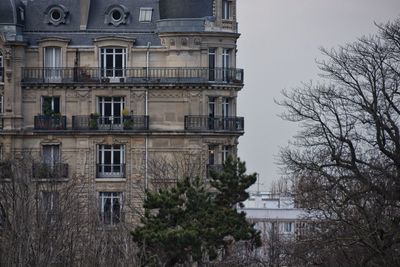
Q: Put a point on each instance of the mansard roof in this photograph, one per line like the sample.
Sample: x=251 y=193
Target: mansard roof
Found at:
x=9 y=14
x=172 y=9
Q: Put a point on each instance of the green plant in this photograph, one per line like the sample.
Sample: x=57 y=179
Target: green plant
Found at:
x=128 y=123
x=93 y=121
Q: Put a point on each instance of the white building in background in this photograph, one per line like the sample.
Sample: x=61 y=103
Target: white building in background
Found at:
x=278 y=220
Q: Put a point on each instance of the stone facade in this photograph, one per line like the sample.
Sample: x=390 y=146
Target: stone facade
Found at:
x=104 y=87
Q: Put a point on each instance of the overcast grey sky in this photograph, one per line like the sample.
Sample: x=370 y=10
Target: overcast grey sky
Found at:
x=279 y=45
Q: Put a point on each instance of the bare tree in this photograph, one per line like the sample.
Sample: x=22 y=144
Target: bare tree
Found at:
x=345 y=162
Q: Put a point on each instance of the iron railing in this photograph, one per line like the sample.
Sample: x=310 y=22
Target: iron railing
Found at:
x=94 y=122
x=50 y=171
x=55 y=122
x=207 y=123
x=110 y=170
x=132 y=75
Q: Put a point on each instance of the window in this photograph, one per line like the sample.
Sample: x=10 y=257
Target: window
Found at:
x=50 y=206
x=211 y=64
x=110 y=111
x=225 y=107
x=226 y=6
x=51 y=155
x=116 y=15
x=110 y=207
x=110 y=161
x=225 y=64
x=3 y=217
x=52 y=64
x=145 y=14
x=113 y=61
x=1 y=68
x=212 y=121
x=56 y=15
x=287 y=227
x=225 y=153
x=50 y=105
x=1 y=104
x=211 y=155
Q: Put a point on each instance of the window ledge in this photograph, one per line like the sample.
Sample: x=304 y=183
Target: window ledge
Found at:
x=107 y=180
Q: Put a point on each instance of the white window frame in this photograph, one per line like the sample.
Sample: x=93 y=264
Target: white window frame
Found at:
x=226 y=55
x=225 y=151
x=114 y=121
x=225 y=109
x=1 y=104
x=53 y=71
x=103 y=56
x=54 y=158
x=287 y=227
x=101 y=149
x=103 y=197
x=145 y=14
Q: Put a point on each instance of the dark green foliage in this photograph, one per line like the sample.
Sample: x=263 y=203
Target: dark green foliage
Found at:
x=191 y=222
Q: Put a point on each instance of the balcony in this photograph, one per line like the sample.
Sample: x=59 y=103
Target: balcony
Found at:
x=110 y=170
x=132 y=75
x=211 y=124
x=55 y=122
x=50 y=171
x=110 y=123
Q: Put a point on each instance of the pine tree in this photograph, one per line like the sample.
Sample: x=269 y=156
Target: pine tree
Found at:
x=192 y=222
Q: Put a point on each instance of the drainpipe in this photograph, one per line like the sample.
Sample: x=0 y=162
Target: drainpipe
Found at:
x=147 y=113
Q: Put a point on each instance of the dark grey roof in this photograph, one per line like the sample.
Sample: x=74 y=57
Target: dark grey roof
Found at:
x=171 y=9
x=9 y=12
x=37 y=27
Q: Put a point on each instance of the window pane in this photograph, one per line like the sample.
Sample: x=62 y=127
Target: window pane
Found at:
x=56 y=104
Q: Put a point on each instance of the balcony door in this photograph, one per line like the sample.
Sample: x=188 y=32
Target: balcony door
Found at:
x=211 y=113
x=113 y=62
x=51 y=155
x=225 y=112
x=211 y=64
x=110 y=111
x=1 y=68
x=52 y=64
x=225 y=64
x=110 y=161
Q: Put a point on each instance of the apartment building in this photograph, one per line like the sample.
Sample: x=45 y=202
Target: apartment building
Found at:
x=94 y=90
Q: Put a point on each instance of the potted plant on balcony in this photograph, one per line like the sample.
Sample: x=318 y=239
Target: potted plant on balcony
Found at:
x=127 y=119
x=93 y=121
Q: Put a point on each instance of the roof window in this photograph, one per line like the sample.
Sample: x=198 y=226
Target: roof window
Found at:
x=116 y=15
x=145 y=14
x=56 y=15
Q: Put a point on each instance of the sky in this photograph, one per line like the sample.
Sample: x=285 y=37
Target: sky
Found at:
x=278 y=47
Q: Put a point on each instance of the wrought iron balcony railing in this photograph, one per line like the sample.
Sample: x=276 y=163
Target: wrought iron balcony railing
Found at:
x=94 y=122
x=110 y=170
x=44 y=122
x=207 y=123
x=50 y=171
x=132 y=75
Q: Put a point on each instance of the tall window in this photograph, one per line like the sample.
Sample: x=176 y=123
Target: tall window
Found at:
x=211 y=154
x=110 y=207
x=226 y=6
x=1 y=104
x=211 y=113
x=1 y=68
x=110 y=111
x=110 y=161
x=225 y=107
x=51 y=155
x=113 y=62
x=50 y=204
x=50 y=105
x=211 y=64
x=52 y=64
x=225 y=64
x=225 y=153
x=287 y=227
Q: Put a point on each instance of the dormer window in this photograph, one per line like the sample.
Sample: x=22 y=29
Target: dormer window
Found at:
x=56 y=15
x=116 y=15
x=145 y=14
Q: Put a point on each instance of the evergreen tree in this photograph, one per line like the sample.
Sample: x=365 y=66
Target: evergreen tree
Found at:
x=192 y=222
